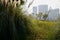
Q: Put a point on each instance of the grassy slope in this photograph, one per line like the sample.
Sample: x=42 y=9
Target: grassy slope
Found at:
x=43 y=30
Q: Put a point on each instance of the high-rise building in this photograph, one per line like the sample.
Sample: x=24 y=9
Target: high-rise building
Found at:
x=42 y=8
x=34 y=10
x=53 y=14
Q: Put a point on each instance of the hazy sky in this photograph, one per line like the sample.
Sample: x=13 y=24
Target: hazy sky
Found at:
x=50 y=3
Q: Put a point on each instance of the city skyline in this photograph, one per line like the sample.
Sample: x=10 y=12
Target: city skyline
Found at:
x=53 y=14
x=43 y=8
x=51 y=4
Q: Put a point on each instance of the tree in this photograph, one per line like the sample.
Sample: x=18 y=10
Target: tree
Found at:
x=39 y=15
x=45 y=16
x=31 y=16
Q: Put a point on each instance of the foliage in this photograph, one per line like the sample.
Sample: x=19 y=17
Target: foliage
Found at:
x=57 y=36
x=43 y=30
x=45 y=16
x=39 y=15
x=14 y=25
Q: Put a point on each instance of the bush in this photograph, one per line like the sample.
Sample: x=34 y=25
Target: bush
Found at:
x=14 y=25
x=43 y=30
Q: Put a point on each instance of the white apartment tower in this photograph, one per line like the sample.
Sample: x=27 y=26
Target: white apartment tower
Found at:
x=43 y=8
x=53 y=14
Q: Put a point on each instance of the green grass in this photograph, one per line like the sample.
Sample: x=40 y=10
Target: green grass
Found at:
x=43 y=30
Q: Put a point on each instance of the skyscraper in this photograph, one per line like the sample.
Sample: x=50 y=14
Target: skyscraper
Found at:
x=34 y=10
x=42 y=8
x=53 y=14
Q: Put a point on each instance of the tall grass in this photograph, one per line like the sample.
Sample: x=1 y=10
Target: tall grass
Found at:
x=14 y=25
x=44 y=30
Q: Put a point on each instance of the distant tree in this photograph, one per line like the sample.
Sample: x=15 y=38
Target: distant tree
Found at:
x=39 y=15
x=45 y=16
x=58 y=19
x=30 y=15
